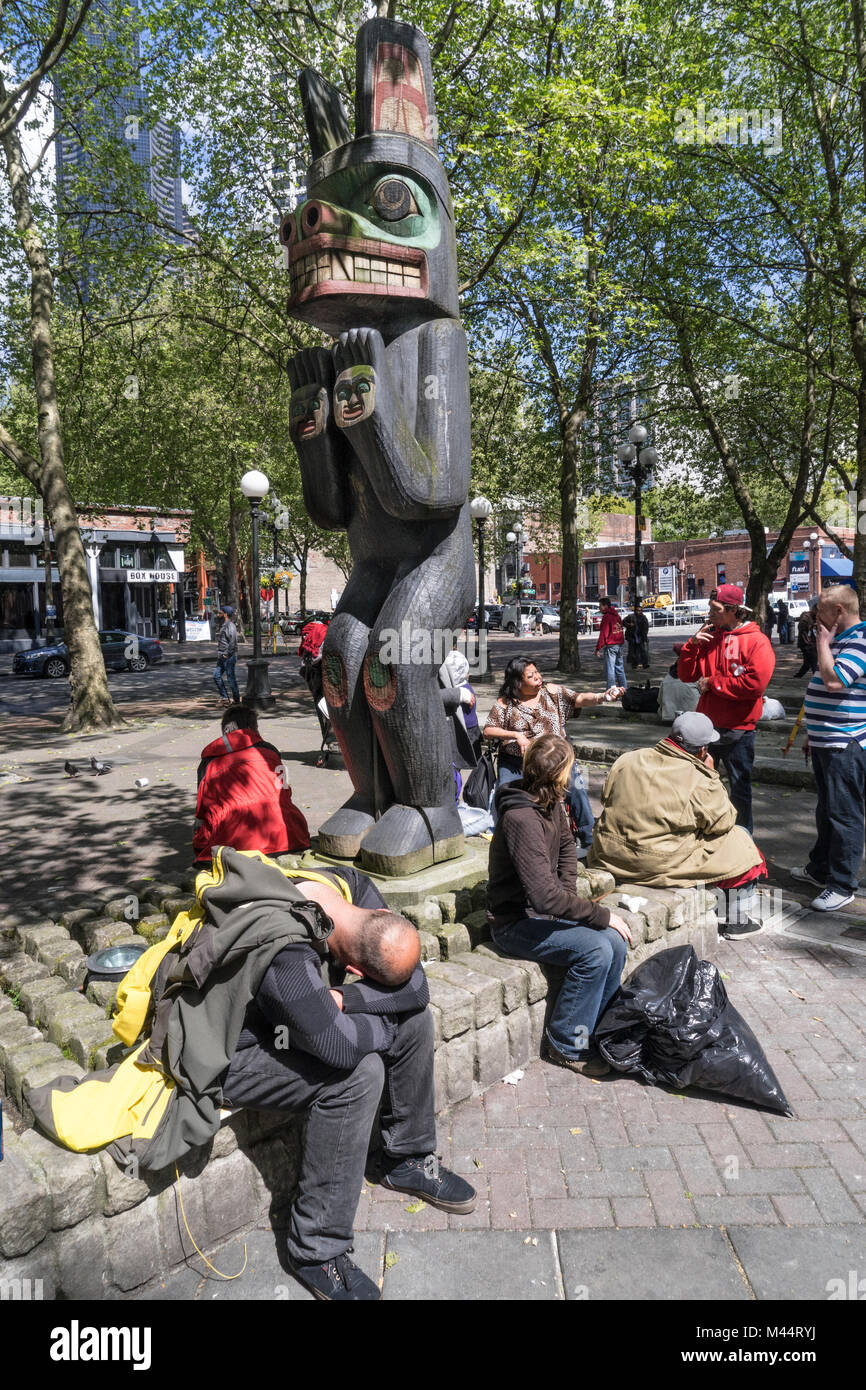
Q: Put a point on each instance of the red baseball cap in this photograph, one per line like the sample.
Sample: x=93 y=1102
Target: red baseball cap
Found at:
x=731 y=594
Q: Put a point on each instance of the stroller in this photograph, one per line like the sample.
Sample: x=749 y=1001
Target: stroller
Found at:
x=310 y=652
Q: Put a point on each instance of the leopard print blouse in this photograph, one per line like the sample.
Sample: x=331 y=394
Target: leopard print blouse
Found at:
x=547 y=717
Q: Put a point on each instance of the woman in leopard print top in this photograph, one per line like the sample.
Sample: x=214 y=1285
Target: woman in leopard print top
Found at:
x=527 y=708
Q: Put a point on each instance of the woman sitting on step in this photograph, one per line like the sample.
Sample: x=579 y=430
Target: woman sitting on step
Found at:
x=535 y=913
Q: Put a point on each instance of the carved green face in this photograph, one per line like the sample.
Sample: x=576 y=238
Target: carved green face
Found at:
x=372 y=230
x=354 y=395
x=307 y=412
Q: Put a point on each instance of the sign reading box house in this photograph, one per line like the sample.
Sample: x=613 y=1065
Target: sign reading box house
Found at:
x=152 y=576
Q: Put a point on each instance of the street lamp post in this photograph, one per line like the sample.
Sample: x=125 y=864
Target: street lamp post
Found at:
x=480 y=510
x=254 y=486
x=518 y=559
x=644 y=460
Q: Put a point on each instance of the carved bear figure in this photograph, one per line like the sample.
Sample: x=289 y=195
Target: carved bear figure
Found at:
x=381 y=427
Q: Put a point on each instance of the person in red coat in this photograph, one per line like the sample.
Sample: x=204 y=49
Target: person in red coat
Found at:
x=244 y=800
x=732 y=661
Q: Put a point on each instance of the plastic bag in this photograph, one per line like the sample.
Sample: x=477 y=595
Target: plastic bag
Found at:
x=671 y=1023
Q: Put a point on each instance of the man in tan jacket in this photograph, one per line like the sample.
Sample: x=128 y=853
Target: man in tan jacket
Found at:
x=667 y=820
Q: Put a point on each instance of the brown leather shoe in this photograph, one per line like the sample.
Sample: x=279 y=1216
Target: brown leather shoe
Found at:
x=594 y=1066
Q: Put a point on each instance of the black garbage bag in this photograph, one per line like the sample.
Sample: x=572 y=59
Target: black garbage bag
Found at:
x=673 y=1024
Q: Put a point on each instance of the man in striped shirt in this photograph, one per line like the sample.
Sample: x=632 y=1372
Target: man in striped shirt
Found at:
x=836 y=741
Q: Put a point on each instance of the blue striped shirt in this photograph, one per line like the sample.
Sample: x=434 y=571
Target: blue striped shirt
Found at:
x=834 y=718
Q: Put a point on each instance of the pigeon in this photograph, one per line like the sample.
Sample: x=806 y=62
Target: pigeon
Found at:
x=70 y=769
x=99 y=769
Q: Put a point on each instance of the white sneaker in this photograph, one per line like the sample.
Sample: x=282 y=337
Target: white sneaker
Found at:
x=830 y=900
x=803 y=876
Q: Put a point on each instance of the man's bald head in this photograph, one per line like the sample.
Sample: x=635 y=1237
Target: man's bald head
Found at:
x=384 y=946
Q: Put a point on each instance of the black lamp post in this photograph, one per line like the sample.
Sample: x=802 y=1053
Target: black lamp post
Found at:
x=644 y=460
x=254 y=486
x=480 y=510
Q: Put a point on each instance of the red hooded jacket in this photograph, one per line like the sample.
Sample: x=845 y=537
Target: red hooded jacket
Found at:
x=739 y=665
x=243 y=800
x=610 y=634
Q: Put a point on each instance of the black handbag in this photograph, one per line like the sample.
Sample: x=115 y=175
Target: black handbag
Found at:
x=480 y=783
x=641 y=699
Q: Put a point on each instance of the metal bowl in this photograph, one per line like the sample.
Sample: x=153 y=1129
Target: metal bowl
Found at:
x=113 y=962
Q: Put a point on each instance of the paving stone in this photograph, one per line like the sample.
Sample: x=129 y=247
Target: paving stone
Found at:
x=172 y=905
x=132 y=1246
x=491 y=1053
x=82 y=1271
x=456 y=1007
x=86 y=1039
x=19 y=970
x=22 y=1064
x=721 y=1211
x=430 y=947
x=123 y=1190
x=798 y=1211
x=67 y=1012
x=74 y=1180
x=454 y=940
x=517 y=1029
x=16 y=1033
x=509 y=1202
x=478 y=926
x=512 y=979
x=537 y=1016
x=40 y=934
x=25 y=1201
x=536 y=980
x=85 y=934
x=231 y=1195
x=470 y=1266
x=624 y=1266
x=633 y=1211
x=849 y=1163
x=111 y=934
x=102 y=993
x=426 y=916
x=486 y=991
x=833 y=1201
x=569 y=1213
x=630 y=1156
x=668 y=1194
x=36 y=995
x=77 y=916
x=459 y=1059
x=788 y=1264
x=756 y=1181
x=175 y=1240
x=447 y=904
x=70 y=964
x=32 y=1278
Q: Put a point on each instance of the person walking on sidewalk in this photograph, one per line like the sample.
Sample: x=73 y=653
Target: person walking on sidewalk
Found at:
x=641 y=640
x=227 y=655
x=535 y=913
x=807 y=641
x=732 y=661
x=836 y=740
x=611 y=639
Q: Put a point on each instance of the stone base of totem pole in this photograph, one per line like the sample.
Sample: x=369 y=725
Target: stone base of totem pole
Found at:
x=410 y=890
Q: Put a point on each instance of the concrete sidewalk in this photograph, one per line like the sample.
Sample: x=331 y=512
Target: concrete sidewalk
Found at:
x=615 y=1190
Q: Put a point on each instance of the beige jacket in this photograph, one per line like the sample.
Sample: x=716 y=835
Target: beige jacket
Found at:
x=667 y=821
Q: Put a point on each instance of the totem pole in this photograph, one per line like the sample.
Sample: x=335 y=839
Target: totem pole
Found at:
x=381 y=427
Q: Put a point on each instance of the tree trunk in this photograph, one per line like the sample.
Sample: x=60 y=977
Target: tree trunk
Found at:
x=233 y=594
x=302 y=592
x=569 y=654
x=91 y=704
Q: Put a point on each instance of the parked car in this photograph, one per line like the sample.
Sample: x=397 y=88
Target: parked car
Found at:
x=494 y=617
x=121 y=651
x=549 y=617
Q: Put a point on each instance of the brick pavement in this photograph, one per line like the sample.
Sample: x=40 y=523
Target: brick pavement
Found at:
x=561 y=1151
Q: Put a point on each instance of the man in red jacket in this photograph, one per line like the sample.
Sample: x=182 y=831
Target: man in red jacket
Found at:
x=244 y=800
x=611 y=639
x=732 y=661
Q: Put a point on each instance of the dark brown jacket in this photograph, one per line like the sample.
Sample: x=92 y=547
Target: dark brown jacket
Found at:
x=533 y=864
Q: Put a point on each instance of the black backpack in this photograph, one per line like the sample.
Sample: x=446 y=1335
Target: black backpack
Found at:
x=480 y=783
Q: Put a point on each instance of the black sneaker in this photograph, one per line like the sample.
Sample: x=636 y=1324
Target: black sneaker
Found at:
x=424 y=1177
x=338 y=1281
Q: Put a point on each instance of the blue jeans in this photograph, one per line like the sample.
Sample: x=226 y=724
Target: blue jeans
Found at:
x=225 y=667
x=738 y=756
x=576 y=798
x=840 y=779
x=614 y=667
x=594 y=961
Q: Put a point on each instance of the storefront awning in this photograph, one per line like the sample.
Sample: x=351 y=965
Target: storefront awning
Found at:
x=836 y=569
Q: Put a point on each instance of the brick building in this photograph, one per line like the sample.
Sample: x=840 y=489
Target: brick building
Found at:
x=698 y=565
